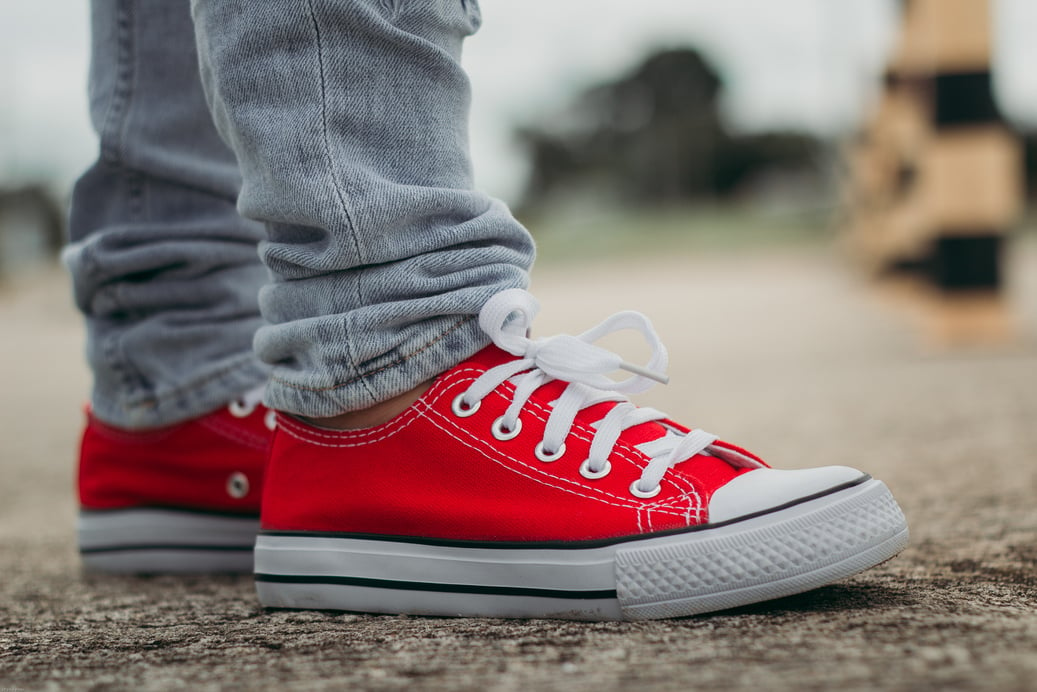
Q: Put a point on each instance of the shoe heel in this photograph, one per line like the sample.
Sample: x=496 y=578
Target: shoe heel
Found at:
x=146 y=541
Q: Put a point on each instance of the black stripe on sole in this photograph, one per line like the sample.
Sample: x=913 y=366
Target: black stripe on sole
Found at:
x=436 y=587
x=135 y=548
x=189 y=511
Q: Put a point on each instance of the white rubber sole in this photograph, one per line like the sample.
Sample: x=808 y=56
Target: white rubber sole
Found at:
x=142 y=541
x=757 y=558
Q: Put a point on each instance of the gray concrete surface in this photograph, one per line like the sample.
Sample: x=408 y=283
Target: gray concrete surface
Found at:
x=786 y=354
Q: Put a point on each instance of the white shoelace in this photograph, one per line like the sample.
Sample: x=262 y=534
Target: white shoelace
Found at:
x=507 y=317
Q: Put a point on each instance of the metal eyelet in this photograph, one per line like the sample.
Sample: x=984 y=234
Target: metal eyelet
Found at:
x=237 y=485
x=502 y=433
x=637 y=492
x=270 y=420
x=460 y=409
x=585 y=470
x=548 y=457
x=238 y=409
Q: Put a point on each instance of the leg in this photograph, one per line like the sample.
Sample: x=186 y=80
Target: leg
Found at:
x=164 y=269
x=349 y=120
x=166 y=274
x=521 y=482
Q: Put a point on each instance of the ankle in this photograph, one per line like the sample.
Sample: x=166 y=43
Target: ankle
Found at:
x=380 y=413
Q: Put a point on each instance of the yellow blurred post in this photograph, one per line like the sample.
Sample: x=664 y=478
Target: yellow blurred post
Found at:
x=936 y=177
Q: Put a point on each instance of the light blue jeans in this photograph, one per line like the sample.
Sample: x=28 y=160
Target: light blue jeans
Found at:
x=339 y=127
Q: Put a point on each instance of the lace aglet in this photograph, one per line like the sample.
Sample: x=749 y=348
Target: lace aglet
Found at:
x=659 y=377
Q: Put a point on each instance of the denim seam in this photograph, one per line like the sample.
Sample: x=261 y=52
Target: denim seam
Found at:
x=324 y=134
x=392 y=7
x=352 y=360
x=116 y=120
x=176 y=392
x=187 y=185
x=399 y=361
x=339 y=193
x=114 y=117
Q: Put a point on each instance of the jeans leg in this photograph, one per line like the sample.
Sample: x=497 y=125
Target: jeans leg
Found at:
x=164 y=270
x=350 y=122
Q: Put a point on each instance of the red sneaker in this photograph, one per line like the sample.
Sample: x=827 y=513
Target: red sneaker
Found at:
x=178 y=499
x=522 y=484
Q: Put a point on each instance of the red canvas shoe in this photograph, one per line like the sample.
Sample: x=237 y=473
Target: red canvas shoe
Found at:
x=523 y=484
x=179 y=499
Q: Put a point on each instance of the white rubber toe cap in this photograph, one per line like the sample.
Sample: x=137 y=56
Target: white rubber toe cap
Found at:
x=763 y=489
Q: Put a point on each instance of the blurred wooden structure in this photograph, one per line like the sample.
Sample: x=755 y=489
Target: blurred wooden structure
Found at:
x=936 y=177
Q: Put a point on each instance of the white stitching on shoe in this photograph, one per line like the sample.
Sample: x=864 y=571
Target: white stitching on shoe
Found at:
x=623 y=450
x=576 y=488
x=307 y=434
x=378 y=433
x=633 y=456
x=293 y=429
x=585 y=369
x=442 y=388
x=572 y=490
x=636 y=458
x=235 y=434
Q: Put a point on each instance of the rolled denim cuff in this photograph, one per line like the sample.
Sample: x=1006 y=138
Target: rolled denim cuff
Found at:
x=446 y=342
x=209 y=389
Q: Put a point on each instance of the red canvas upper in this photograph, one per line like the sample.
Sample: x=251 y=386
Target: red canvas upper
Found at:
x=195 y=465
x=429 y=473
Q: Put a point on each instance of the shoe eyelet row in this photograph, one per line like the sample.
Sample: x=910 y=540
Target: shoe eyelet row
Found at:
x=502 y=433
x=270 y=420
x=461 y=409
x=547 y=457
x=644 y=494
x=586 y=472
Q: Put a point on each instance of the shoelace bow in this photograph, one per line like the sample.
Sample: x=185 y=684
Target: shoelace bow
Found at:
x=506 y=318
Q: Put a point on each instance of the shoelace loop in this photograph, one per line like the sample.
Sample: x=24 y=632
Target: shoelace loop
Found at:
x=506 y=319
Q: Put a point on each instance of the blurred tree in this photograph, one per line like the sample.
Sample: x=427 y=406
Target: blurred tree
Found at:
x=32 y=222
x=655 y=136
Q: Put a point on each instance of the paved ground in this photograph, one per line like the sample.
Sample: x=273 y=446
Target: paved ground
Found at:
x=784 y=353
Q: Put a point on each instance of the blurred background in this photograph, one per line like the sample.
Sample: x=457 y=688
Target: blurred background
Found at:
x=899 y=132
x=695 y=123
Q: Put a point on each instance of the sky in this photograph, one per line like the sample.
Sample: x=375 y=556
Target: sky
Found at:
x=799 y=64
